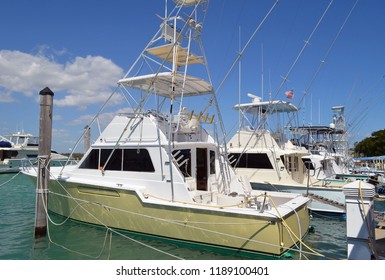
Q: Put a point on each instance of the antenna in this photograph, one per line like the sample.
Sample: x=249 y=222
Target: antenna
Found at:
x=311 y=109
x=319 y=111
x=262 y=70
x=239 y=92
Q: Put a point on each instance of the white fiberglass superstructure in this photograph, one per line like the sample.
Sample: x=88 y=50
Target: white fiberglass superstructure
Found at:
x=273 y=161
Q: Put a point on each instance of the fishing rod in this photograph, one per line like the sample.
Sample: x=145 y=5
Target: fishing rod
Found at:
x=323 y=61
x=240 y=54
x=285 y=78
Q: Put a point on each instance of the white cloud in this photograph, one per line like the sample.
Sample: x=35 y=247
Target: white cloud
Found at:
x=58 y=133
x=6 y=97
x=57 y=117
x=81 y=82
x=103 y=119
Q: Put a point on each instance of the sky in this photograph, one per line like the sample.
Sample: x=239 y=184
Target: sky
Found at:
x=331 y=52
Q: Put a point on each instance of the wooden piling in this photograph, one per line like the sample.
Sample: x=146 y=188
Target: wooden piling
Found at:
x=44 y=155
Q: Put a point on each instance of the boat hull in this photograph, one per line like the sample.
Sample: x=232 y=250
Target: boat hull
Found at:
x=14 y=165
x=125 y=210
x=5 y=169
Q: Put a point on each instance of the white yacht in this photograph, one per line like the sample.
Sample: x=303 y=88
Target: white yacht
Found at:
x=158 y=171
x=273 y=162
x=22 y=148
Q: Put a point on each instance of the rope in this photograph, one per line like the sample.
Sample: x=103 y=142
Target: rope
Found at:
x=240 y=54
x=370 y=239
x=77 y=252
x=13 y=177
x=327 y=54
x=184 y=224
x=300 y=232
x=181 y=223
x=56 y=224
x=290 y=230
x=102 y=224
x=285 y=79
x=155 y=218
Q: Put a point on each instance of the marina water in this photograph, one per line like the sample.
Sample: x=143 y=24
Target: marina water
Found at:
x=70 y=240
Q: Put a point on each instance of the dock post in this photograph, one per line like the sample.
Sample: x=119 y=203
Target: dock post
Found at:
x=45 y=138
x=359 y=197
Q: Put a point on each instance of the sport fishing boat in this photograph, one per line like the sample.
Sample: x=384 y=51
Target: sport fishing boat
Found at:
x=160 y=172
x=272 y=161
x=23 y=148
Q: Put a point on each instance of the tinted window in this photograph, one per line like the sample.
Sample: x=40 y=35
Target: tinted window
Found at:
x=212 y=162
x=183 y=159
x=115 y=162
x=132 y=159
x=92 y=160
x=251 y=161
x=137 y=160
x=307 y=162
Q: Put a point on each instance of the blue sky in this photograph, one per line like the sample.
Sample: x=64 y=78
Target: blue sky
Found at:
x=80 y=49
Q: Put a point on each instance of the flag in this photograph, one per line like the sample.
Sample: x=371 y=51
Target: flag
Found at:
x=289 y=94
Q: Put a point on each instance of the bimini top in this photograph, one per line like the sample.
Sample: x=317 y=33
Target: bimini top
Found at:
x=276 y=106
x=164 y=84
x=188 y=2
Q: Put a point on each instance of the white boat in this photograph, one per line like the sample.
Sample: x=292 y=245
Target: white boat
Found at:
x=159 y=172
x=328 y=141
x=22 y=148
x=273 y=162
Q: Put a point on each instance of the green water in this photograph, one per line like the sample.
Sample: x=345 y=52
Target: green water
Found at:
x=70 y=240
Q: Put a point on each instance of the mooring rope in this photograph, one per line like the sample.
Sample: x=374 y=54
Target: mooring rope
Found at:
x=100 y=222
x=13 y=177
x=184 y=224
x=108 y=229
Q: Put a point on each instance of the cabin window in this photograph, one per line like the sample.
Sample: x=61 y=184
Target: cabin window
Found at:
x=92 y=160
x=31 y=156
x=115 y=162
x=251 y=161
x=238 y=160
x=138 y=160
x=5 y=154
x=183 y=159
x=290 y=164
x=294 y=167
x=235 y=161
x=212 y=162
x=308 y=163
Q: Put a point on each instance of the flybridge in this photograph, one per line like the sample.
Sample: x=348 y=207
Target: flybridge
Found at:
x=270 y=107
